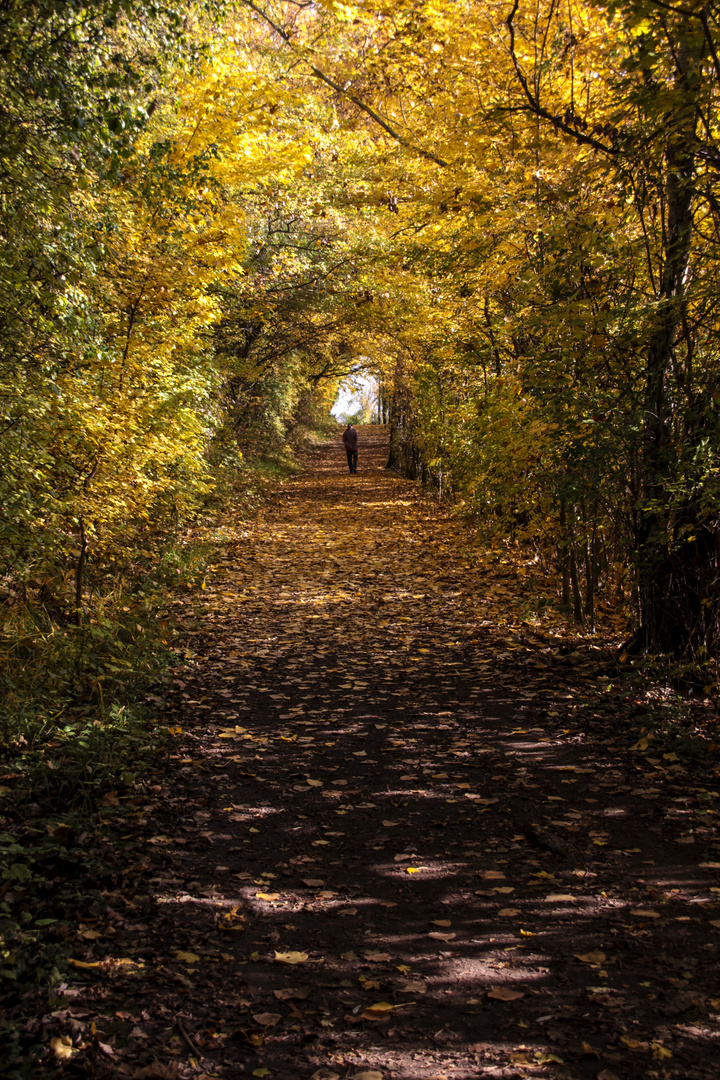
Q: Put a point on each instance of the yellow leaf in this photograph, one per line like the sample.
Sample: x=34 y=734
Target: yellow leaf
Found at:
x=633 y=1044
x=82 y=963
x=61 y=1048
x=187 y=957
x=660 y=1052
x=291 y=957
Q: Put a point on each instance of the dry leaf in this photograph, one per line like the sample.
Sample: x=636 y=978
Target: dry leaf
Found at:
x=441 y=922
x=504 y=993
x=591 y=957
x=325 y=1074
x=378 y=957
x=634 y=1044
x=291 y=957
x=381 y=1008
x=438 y=935
x=644 y=913
x=313 y=883
x=61 y=1048
x=556 y=898
x=367 y=1074
x=508 y=911
x=187 y=957
x=267 y=1019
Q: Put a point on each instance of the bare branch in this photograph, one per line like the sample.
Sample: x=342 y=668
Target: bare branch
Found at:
x=338 y=88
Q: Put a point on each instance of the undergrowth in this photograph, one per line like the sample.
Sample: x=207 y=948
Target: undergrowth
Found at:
x=80 y=729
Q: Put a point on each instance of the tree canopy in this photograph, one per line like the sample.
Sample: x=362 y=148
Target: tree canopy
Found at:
x=210 y=214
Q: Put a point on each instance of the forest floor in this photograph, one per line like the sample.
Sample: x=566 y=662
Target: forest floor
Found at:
x=402 y=832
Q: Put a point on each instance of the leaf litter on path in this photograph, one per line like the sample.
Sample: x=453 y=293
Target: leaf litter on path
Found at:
x=370 y=742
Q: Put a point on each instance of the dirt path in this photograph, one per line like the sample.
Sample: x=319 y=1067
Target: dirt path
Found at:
x=389 y=844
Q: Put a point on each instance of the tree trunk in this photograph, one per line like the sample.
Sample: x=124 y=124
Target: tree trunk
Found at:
x=664 y=600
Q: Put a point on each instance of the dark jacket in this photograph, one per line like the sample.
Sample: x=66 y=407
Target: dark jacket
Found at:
x=350 y=438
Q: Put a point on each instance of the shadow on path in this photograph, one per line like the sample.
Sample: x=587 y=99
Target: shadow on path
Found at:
x=386 y=846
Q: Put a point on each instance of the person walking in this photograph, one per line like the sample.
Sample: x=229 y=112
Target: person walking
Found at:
x=350 y=439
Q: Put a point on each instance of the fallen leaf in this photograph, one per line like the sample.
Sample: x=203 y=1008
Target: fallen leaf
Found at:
x=187 y=957
x=313 y=883
x=325 y=1074
x=493 y=875
x=644 y=913
x=508 y=911
x=376 y=957
x=439 y=935
x=267 y=1019
x=299 y=993
x=382 y=1008
x=556 y=898
x=441 y=922
x=367 y=1074
x=504 y=993
x=267 y=896
x=61 y=1048
x=634 y=1044
x=291 y=957
x=591 y=957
